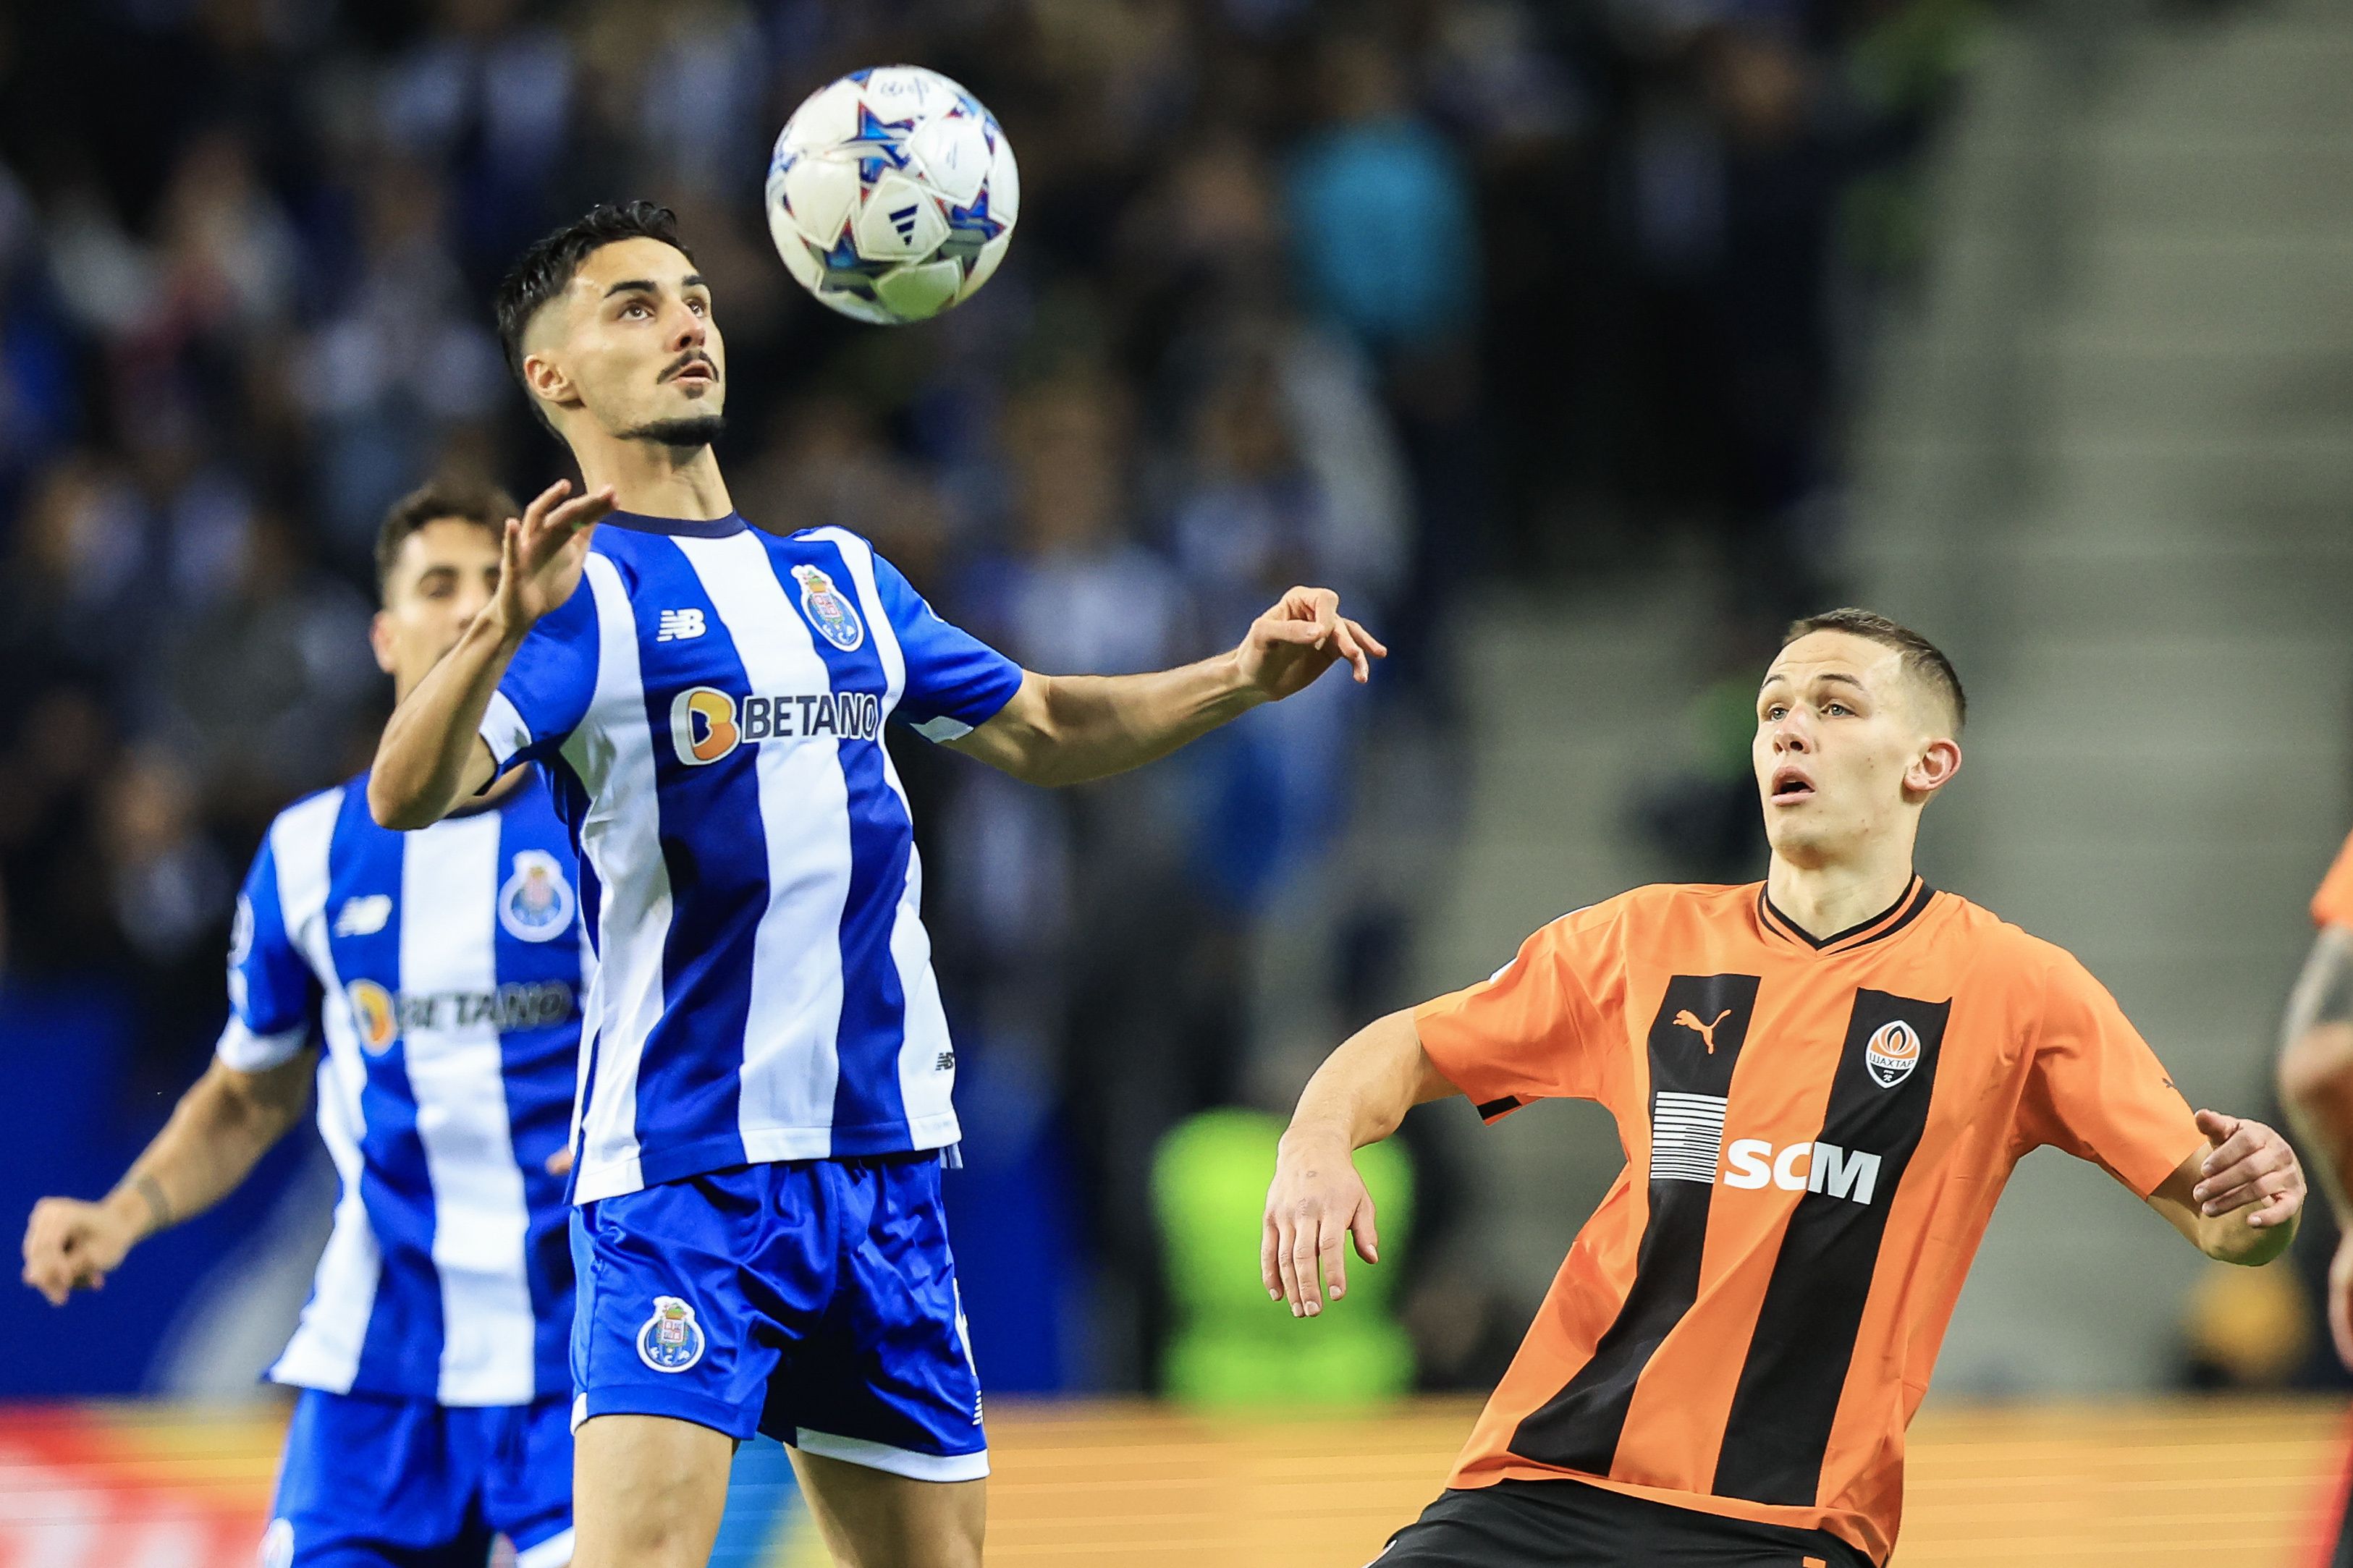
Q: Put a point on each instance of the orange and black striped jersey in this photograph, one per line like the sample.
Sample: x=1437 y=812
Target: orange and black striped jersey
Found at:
x=2332 y=903
x=1816 y=1134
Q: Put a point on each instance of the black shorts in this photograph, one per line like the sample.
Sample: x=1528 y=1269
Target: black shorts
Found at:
x=1568 y=1524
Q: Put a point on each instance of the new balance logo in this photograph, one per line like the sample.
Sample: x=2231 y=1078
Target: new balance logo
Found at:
x=1690 y=1020
x=946 y=1062
x=1844 y=1174
x=678 y=625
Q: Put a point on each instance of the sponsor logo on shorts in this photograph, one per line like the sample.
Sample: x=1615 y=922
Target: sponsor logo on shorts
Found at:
x=671 y=1341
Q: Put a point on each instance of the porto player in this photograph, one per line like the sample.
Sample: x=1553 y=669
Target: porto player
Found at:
x=443 y=969
x=1822 y=1083
x=765 y=1109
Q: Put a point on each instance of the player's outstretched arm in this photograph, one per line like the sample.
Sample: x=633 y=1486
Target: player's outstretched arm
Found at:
x=217 y=1132
x=1357 y=1097
x=2316 y=1085
x=432 y=756
x=1068 y=729
x=2238 y=1202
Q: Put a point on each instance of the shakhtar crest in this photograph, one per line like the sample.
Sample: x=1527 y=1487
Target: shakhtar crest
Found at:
x=1892 y=1052
x=536 y=903
x=672 y=1340
x=829 y=609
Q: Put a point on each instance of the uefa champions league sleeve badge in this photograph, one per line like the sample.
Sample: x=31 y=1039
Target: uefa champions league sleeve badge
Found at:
x=671 y=1341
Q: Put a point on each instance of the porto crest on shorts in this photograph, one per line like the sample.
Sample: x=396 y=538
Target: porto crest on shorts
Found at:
x=671 y=1341
x=827 y=610
x=535 y=904
x=1892 y=1052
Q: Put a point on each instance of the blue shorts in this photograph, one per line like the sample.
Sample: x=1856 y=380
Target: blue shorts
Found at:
x=374 y=1482
x=812 y=1299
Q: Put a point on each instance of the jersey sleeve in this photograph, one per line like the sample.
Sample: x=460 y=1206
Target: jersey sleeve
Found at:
x=272 y=994
x=1533 y=1030
x=2098 y=1091
x=544 y=694
x=2332 y=905
x=955 y=682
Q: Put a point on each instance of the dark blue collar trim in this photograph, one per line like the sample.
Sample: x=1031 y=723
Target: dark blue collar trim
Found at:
x=691 y=527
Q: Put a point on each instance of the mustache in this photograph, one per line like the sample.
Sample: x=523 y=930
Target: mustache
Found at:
x=692 y=357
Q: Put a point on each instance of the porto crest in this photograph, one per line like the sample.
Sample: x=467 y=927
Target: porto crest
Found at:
x=829 y=609
x=536 y=903
x=671 y=1341
x=1892 y=1052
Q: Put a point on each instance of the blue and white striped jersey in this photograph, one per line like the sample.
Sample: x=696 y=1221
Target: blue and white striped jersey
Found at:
x=710 y=705
x=445 y=970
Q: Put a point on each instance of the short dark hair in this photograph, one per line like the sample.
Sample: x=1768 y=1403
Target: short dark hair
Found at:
x=1923 y=660
x=485 y=505
x=550 y=263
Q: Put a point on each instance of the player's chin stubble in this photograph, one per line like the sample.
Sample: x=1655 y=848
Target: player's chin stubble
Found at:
x=700 y=431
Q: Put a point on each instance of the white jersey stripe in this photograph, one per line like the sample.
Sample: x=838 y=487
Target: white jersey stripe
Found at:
x=325 y=1350
x=613 y=756
x=785 y=1104
x=925 y=1089
x=449 y=887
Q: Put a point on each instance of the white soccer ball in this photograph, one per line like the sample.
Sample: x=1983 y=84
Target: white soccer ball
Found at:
x=891 y=195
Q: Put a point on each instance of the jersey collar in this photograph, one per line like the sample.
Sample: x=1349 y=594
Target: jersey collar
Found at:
x=1878 y=928
x=687 y=527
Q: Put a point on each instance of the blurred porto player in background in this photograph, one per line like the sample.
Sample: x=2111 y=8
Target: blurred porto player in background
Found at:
x=1822 y=1083
x=2316 y=1085
x=766 y=1104
x=444 y=968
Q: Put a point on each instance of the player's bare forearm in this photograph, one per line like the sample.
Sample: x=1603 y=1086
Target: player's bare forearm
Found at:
x=2238 y=1201
x=2315 y=1064
x=432 y=756
x=1067 y=728
x=1364 y=1089
x=1317 y=1200
x=1070 y=728
x=216 y=1134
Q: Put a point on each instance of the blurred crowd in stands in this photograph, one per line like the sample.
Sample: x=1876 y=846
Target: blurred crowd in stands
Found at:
x=1412 y=298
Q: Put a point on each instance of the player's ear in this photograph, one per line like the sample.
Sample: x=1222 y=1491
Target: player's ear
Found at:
x=543 y=378
x=380 y=639
x=1932 y=768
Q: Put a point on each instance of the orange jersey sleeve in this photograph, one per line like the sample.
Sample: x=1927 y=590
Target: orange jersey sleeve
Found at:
x=1533 y=1029
x=2097 y=1090
x=2332 y=905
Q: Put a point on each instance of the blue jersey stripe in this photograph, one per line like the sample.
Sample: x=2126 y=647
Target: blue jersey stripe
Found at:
x=870 y=1115
x=363 y=864
x=687 y=1092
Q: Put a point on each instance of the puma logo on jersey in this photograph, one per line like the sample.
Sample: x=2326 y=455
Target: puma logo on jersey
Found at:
x=1816 y=1167
x=1690 y=1020
x=679 y=625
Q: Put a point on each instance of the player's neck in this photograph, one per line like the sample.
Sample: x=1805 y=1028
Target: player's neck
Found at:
x=654 y=480
x=1824 y=900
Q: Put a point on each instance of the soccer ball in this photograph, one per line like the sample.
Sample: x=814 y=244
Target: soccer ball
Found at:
x=891 y=195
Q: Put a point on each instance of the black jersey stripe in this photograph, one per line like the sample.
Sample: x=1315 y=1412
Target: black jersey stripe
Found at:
x=1694 y=1043
x=1782 y=1410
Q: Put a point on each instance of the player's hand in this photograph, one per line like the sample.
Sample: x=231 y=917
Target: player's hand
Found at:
x=541 y=554
x=559 y=1163
x=1316 y=1201
x=72 y=1245
x=2251 y=1165
x=1299 y=638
